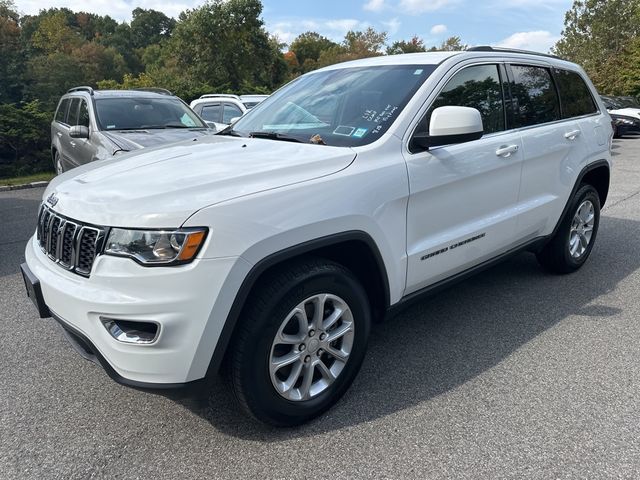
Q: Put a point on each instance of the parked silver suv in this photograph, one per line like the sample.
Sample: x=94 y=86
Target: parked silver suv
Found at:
x=97 y=124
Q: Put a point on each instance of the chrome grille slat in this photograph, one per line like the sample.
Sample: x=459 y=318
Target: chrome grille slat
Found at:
x=72 y=245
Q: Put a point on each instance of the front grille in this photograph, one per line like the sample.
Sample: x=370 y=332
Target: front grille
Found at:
x=72 y=245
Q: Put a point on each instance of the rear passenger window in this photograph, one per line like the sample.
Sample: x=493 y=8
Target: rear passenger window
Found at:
x=61 y=113
x=477 y=87
x=83 y=116
x=211 y=113
x=72 y=118
x=535 y=99
x=575 y=96
x=230 y=112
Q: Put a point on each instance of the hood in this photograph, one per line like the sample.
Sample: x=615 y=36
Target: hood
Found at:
x=162 y=187
x=629 y=112
x=129 y=140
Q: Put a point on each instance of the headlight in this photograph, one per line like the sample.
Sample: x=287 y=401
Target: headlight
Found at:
x=624 y=121
x=156 y=247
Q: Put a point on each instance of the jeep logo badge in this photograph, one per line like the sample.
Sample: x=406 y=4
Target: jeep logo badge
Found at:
x=52 y=200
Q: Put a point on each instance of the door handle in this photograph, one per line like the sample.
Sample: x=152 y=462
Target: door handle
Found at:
x=73 y=144
x=506 y=150
x=572 y=135
x=59 y=134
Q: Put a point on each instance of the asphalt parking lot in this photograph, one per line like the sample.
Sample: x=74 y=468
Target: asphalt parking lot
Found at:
x=512 y=374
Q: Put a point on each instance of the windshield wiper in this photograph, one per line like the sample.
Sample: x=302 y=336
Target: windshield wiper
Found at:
x=229 y=131
x=275 y=136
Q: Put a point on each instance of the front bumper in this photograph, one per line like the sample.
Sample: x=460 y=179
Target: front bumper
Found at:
x=180 y=299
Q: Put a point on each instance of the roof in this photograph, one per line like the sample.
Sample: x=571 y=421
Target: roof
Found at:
x=119 y=93
x=435 y=58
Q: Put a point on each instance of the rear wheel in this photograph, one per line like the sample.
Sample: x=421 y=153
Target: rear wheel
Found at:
x=301 y=342
x=570 y=247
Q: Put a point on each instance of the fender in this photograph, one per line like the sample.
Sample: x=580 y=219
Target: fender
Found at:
x=581 y=175
x=276 y=258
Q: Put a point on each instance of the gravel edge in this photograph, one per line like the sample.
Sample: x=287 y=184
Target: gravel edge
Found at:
x=6 y=188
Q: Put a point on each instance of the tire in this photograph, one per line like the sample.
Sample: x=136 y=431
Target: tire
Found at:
x=57 y=163
x=571 y=245
x=262 y=390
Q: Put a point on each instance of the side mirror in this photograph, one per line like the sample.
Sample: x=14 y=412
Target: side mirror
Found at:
x=234 y=120
x=450 y=125
x=79 y=131
x=211 y=125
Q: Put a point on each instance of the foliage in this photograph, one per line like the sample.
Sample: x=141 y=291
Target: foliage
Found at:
x=221 y=46
x=602 y=36
x=23 y=147
x=414 y=45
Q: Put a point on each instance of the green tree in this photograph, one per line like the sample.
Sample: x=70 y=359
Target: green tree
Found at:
x=11 y=53
x=224 y=43
x=150 y=27
x=55 y=35
x=308 y=47
x=414 y=45
x=451 y=44
x=601 y=36
x=23 y=147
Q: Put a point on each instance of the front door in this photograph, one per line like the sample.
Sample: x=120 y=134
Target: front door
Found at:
x=463 y=198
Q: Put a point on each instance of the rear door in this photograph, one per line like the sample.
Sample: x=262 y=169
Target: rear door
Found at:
x=230 y=111
x=554 y=149
x=462 y=205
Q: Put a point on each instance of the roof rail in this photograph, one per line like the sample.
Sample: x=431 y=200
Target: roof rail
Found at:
x=162 y=91
x=488 y=48
x=225 y=95
x=81 y=89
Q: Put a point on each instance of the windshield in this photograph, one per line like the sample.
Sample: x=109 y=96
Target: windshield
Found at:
x=131 y=113
x=628 y=102
x=344 y=107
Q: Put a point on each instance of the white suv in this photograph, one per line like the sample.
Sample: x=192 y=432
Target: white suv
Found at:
x=268 y=250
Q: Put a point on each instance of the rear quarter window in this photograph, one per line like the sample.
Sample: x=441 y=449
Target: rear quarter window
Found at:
x=575 y=96
x=535 y=99
x=61 y=113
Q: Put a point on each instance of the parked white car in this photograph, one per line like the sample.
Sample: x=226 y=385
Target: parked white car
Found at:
x=251 y=101
x=219 y=110
x=356 y=189
x=618 y=106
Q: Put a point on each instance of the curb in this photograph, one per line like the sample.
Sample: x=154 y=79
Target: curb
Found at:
x=6 y=188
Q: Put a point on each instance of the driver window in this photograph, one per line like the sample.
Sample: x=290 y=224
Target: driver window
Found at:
x=478 y=87
x=83 y=117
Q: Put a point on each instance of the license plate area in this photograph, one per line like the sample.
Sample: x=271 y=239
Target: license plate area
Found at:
x=34 y=291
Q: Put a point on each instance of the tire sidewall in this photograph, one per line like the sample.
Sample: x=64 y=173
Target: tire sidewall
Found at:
x=264 y=399
x=587 y=192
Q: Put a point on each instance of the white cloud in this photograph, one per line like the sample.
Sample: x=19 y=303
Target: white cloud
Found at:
x=438 y=29
x=335 y=29
x=374 y=5
x=392 y=26
x=422 y=6
x=118 y=9
x=538 y=41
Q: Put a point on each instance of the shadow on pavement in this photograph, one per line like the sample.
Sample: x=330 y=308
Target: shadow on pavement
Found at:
x=449 y=339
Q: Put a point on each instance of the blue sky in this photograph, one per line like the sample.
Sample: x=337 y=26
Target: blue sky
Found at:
x=528 y=24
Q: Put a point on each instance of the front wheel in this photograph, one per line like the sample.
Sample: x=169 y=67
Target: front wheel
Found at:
x=570 y=247
x=301 y=342
x=58 y=164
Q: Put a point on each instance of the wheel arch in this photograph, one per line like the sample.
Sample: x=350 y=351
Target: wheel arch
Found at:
x=597 y=172
x=598 y=175
x=355 y=250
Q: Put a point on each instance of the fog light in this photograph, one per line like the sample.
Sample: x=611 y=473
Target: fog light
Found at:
x=127 y=331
